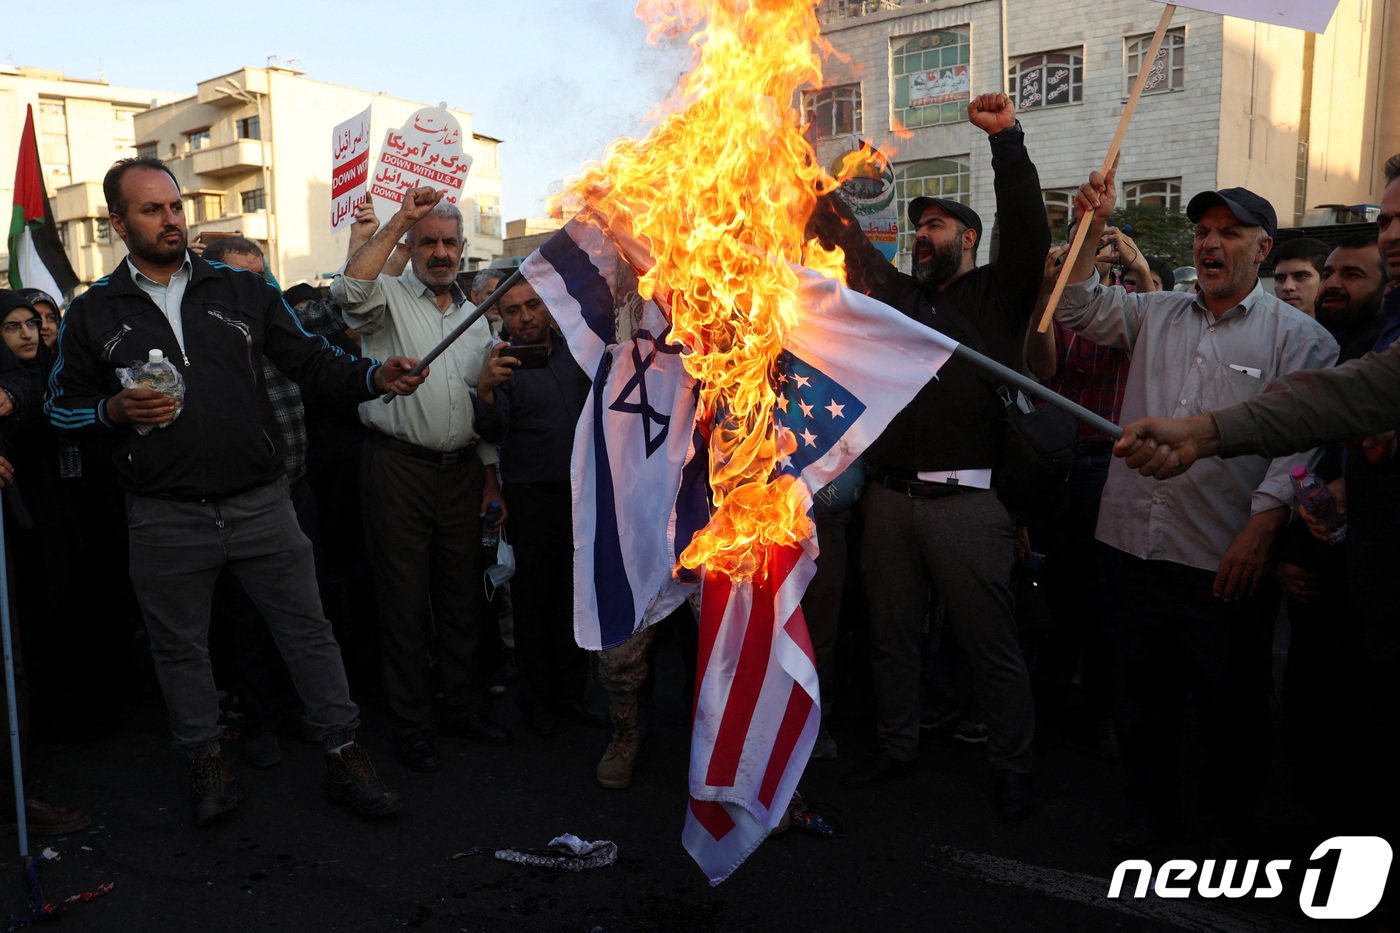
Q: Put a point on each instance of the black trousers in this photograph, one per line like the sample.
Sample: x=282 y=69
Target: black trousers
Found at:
x=1179 y=650
x=553 y=668
x=423 y=533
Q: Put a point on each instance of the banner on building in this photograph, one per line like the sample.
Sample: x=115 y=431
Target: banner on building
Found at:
x=867 y=187
x=425 y=151
x=349 y=169
x=939 y=86
x=1312 y=15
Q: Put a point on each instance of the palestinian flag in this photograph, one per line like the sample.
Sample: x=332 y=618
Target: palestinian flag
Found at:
x=37 y=259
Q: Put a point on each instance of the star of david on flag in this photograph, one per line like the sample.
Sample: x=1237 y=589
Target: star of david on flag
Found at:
x=640 y=493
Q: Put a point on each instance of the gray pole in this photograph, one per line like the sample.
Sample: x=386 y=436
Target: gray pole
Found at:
x=1036 y=390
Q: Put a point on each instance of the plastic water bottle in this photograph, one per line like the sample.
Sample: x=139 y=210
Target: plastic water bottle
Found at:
x=70 y=460
x=490 y=533
x=158 y=374
x=1311 y=492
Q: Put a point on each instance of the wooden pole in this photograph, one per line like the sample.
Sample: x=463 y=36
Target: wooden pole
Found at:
x=1081 y=232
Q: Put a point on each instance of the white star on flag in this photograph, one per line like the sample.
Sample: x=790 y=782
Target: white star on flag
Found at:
x=836 y=410
x=806 y=409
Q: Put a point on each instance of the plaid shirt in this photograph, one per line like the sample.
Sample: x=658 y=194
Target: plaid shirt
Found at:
x=1091 y=375
x=286 y=405
x=322 y=318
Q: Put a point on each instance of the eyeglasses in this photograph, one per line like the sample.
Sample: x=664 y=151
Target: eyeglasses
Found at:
x=14 y=327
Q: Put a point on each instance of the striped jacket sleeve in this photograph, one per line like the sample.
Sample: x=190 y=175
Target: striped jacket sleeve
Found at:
x=80 y=382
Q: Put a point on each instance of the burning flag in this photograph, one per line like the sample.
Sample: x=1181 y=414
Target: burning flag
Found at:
x=788 y=374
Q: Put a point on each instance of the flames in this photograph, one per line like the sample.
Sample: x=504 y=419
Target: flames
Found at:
x=718 y=194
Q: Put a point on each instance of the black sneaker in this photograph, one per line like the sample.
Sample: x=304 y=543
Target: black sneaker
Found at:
x=351 y=780
x=218 y=790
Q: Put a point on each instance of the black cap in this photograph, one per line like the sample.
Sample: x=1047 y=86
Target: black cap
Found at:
x=1247 y=207
x=952 y=208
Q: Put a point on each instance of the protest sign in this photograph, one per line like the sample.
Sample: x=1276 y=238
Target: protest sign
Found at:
x=426 y=150
x=349 y=168
x=1312 y=15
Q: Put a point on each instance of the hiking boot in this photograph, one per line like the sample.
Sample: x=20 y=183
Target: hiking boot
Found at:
x=218 y=790
x=615 y=768
x=351 y=780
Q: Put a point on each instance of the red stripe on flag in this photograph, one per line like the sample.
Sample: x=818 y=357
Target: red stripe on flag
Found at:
x=745 y=686
x=713 y=817
x=29 y=175
x=795 y=718
x=714 y=599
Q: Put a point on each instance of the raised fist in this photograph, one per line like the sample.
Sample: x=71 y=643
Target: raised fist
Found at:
x=992 y=113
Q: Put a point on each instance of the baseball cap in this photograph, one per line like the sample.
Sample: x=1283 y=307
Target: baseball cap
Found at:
x=1247 y=207
x=952 y=208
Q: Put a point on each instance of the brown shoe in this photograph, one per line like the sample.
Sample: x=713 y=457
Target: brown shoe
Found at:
x=352 y=780
x=42 y=818
x=218 y=790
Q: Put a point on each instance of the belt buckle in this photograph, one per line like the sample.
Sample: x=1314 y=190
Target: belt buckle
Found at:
x=450 y=457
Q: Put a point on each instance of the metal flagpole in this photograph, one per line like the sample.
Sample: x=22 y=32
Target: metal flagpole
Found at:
x=510 y=282
x=1033 y=388
x=16 y=767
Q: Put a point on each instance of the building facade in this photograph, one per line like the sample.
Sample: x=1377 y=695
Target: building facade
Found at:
x=1302 y=119
x=83 y=126
x=251 y=150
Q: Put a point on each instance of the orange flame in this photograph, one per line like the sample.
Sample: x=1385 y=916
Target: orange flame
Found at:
x=719 y=193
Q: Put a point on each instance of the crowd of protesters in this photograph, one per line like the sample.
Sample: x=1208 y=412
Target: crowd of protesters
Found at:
x=289 y=540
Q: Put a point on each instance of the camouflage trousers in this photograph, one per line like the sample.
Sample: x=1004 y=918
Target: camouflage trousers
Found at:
x=623 y=669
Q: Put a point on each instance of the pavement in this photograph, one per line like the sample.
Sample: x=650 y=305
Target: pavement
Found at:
x=922 y=852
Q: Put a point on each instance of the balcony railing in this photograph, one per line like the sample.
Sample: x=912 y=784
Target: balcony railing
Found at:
x=838 y=11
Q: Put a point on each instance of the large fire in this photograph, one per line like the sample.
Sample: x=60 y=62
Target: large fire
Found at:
x=719 y=193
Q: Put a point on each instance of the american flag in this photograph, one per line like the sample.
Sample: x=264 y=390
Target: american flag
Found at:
x=639 y=492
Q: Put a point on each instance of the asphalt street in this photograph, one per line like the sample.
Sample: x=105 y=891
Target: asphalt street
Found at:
x=923 y=852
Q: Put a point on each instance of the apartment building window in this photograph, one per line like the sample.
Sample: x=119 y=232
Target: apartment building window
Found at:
x=937 y=178
x=203 y=206
x=254 y=200
x=1168 y=69
x=249 y=128
x=488 y=215
x=101 y=231
x=1157 y=192
x=53 y=139
x=148 y=150
x=1059 y=207
x=832 y=111
x=931 y=83
x=197 y=140
x=62 y=228
x=1047 y=79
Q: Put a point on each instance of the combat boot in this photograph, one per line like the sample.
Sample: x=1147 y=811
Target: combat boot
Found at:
x=615 y=770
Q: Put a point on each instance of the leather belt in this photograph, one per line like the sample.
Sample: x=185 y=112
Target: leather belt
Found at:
x=917 y=488
x=440 y=457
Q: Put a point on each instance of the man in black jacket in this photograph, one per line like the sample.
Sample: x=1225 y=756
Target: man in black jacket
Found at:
x=207 y=489
x=932 y=517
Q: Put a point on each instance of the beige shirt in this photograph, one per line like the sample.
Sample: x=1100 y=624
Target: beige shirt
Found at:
x=399 y=315
x=1184 y=362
